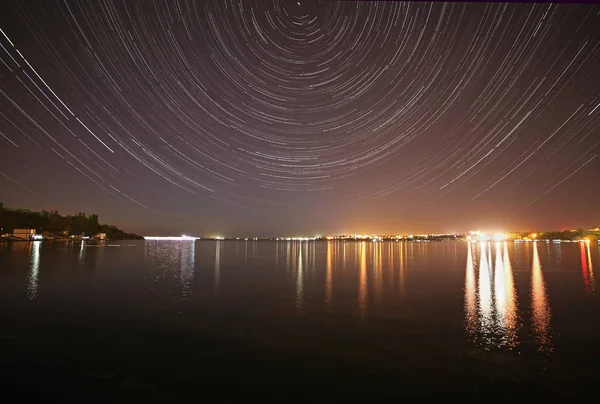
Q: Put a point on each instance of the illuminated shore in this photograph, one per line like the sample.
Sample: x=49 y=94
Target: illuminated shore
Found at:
x=171 y=238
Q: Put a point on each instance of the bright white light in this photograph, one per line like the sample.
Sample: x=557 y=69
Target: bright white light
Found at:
x=172 y=238
x=33 y=274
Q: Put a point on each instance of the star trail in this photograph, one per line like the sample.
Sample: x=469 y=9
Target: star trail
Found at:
x=311 y=116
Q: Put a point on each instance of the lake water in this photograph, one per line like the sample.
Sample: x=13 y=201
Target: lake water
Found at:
x=307 y=321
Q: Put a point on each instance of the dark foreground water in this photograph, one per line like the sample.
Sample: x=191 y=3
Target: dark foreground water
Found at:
x=232 y=321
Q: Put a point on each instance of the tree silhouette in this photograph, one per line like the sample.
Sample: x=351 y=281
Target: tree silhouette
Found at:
x=80 y=224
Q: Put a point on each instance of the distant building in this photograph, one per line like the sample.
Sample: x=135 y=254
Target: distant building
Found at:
x=25 y=234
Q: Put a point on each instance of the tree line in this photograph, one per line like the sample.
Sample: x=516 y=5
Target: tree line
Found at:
x=592 y=234
x=80 y=224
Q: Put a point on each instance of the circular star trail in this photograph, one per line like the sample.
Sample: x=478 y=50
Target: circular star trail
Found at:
x=263 y=104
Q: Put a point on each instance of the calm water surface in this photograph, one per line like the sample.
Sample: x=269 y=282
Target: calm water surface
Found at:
x=310 y=321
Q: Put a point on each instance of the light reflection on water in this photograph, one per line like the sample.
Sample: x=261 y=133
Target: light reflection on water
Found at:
x=402 y=262
x=485 y=295
x=470 y=295
x=539 y=304
x=217 y=264
x=496 y=322
x=590 y=267
x=300 y=279
x=34 y=270
x=587 y=269
x=377 y=271
x=329 y=274
x=500 y=289
x=361 y=279
x=510 y=315
x=82 y=250
x=363 y=293
x=172 y=261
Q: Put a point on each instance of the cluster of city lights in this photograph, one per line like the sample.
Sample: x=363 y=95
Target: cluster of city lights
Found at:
x=373 y=237
x=296 y=238
x=473 y=236
x=479 y=236
x=171 y=238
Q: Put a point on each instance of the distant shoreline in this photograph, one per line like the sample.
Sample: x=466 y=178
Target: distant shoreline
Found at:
x=274 y=240
x=62 y=240
x=368 y=240
x=281 y=239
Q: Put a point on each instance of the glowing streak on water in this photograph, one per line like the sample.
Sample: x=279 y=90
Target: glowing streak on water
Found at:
x=33 y=274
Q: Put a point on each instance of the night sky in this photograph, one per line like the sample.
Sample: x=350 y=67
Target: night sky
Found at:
x=273 y=117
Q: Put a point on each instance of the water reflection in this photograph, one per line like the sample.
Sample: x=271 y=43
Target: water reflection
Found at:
x=362 y=288
x=510 y=314
x=390 y=264
x=328 y=275
x=401 y=270
x=485 y=295
x=34 y=270
x=188 y=265
x=300 y=279
x=491 y=313
x=187 y=257
x=587 y=270
x=82 y=251
x=590 y=267
x=470 y=295
x=539 y=304
x=499 y=288
x=288 y=257
x=172 y=261
x=217 y=265
x=491 y=306
x=558 y=252
x=313 y=258
x=377 y=271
